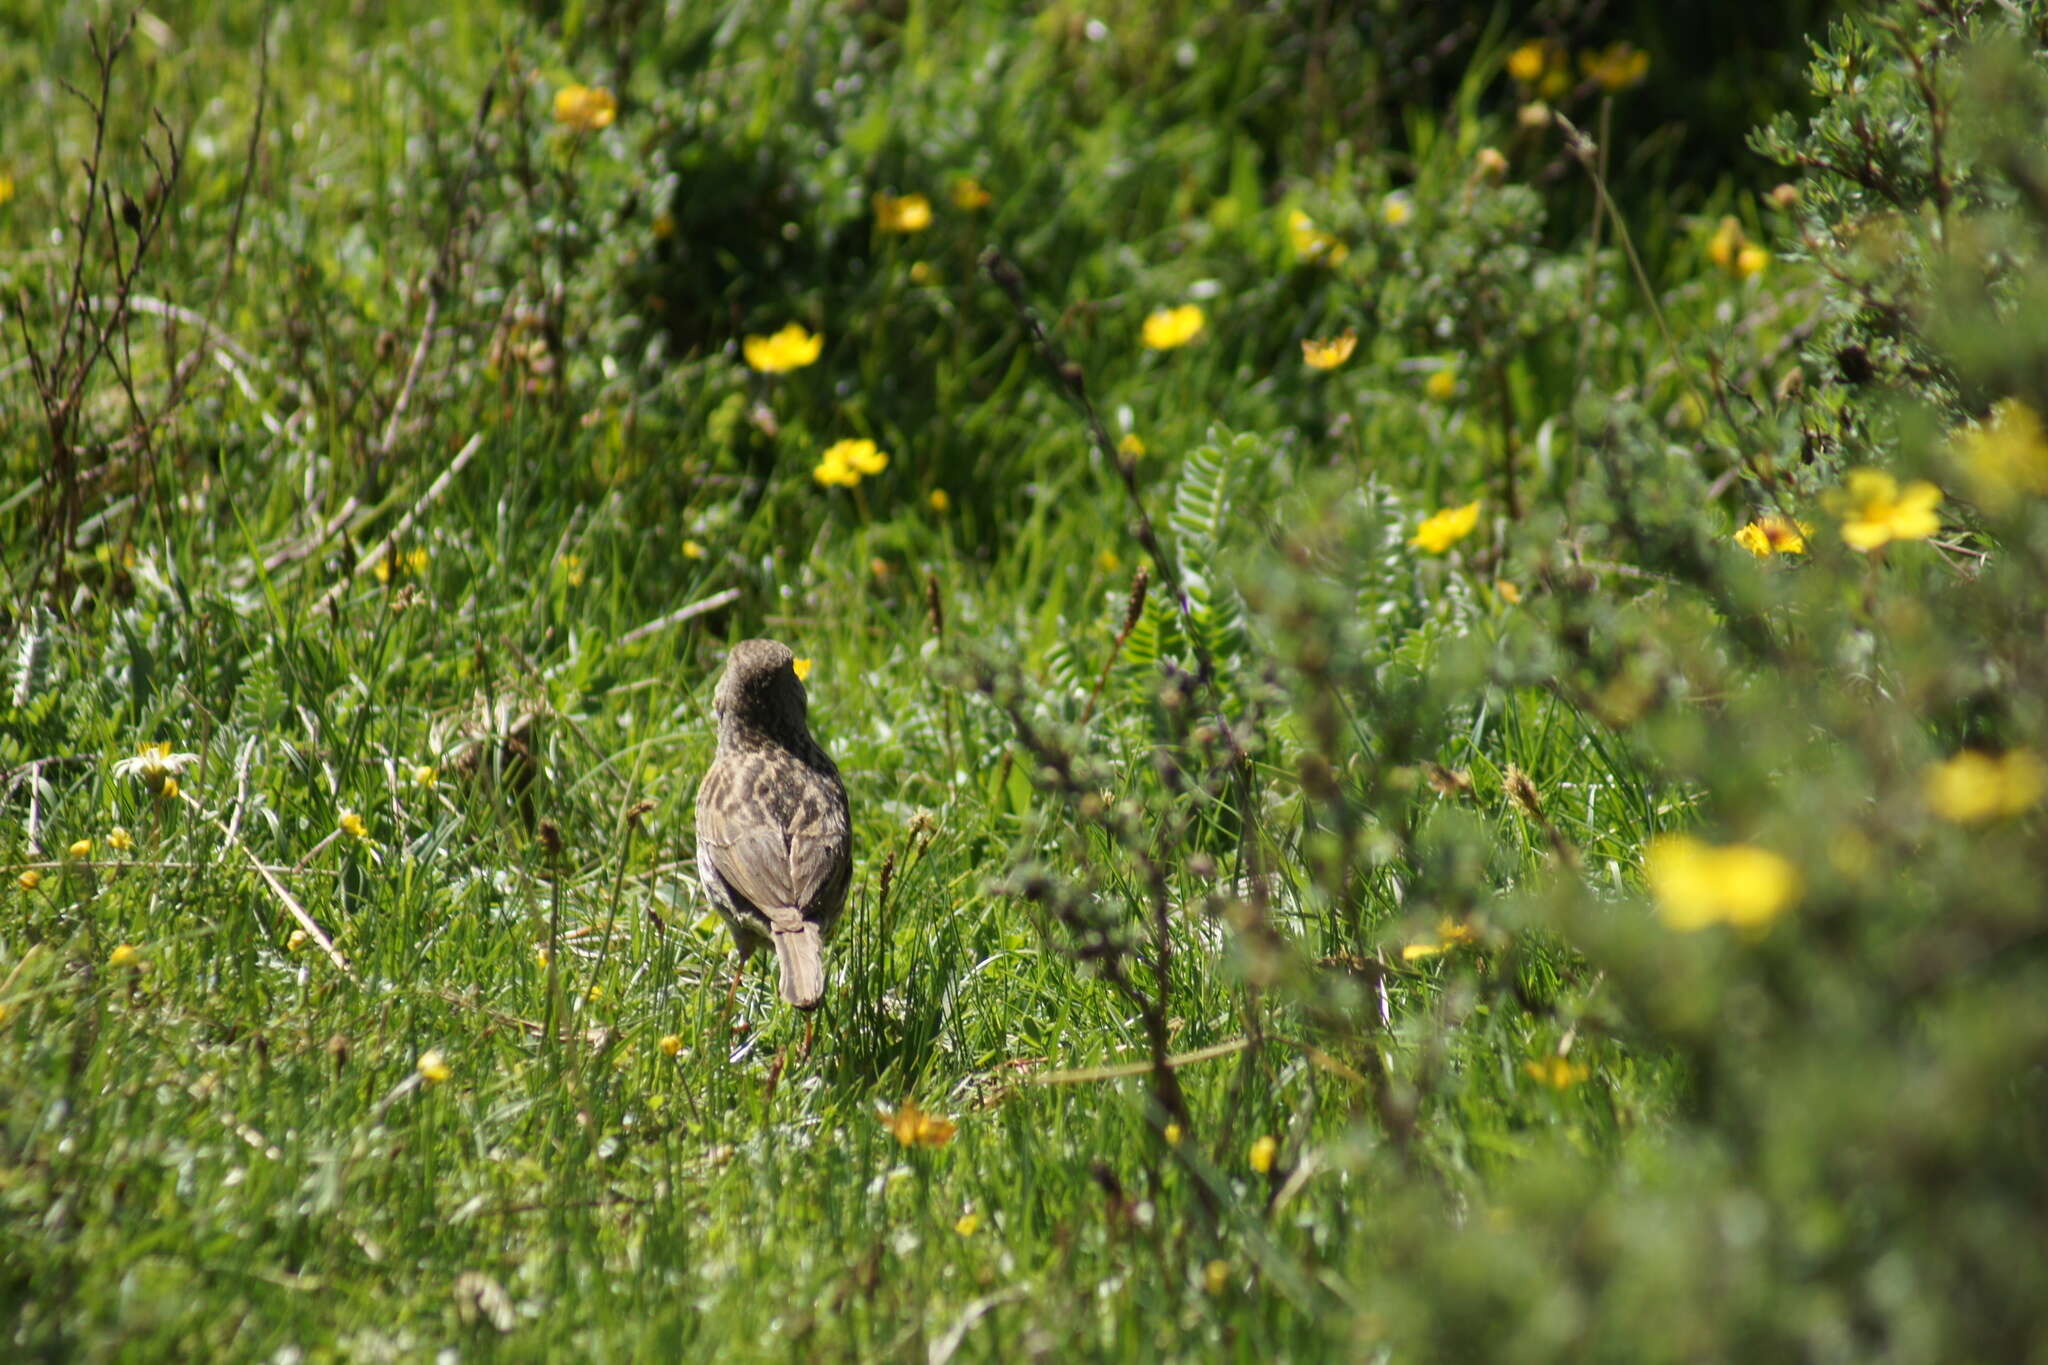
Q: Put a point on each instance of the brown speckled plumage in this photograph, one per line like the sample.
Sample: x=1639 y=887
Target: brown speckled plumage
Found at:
x=774 y=846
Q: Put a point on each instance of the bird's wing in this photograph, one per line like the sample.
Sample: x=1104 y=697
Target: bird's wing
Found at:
x=818 y=855
x=752 y=855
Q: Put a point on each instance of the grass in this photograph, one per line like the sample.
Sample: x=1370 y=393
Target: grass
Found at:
x=218 y=1136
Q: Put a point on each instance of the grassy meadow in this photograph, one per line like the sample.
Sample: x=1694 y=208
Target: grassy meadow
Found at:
x=1433 y=622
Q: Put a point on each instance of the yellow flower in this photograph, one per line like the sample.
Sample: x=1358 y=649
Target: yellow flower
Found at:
x=352 y=825
x=834 y=473
x=862 y=455
x=1526 y=63
x=1172 y=1134
x=156 y=766
x=29 y=880
x=1449 y=934
x=1442 y=383
x=1490 y=162
x=1171 y=327
x=1509 y=593
x=939 y=501
x=126 y=955
x=1312 y=244
x=433 y=1067
x=1261 y=1155
x=1440 y=531
x=1131 y=447
x=1697 y=884
x=1107 y=561
x=912 y=1127
x=1875 y=510
x=1726 y=244
x=6 y=187
x=585 y=108
x=120 y=840
x=1328 y=355
x=844 y=462
x=297 y=941
x=693 y=550
x=1751 y=260
x=1617 y=66
x=969 y=1224
x=425 y=775
x=1216 y=1276
x=1398 y=209
x=670 y=1045
x=1774 y=535
x=907 y=213
x=573 y=572
x=2007 y=455
x=969 y=195
x=169 y=791
x=792 y=348
x=921 y=272
x=802 y=669
x=1974 y=786
x=1556 y=1072
x=80 y=848
x=416 y=561
x=1534 y=115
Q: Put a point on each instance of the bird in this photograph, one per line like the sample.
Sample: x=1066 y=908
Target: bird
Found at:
x=774 y=838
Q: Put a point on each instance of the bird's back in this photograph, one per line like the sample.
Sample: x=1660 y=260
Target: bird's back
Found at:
x=772 y=821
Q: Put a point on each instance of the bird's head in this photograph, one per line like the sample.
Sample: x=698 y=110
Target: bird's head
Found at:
x=760 y=691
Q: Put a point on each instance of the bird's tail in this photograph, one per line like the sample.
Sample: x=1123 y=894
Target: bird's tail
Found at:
x=800 y=952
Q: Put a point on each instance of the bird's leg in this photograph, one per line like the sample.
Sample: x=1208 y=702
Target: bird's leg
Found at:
x=739 y=972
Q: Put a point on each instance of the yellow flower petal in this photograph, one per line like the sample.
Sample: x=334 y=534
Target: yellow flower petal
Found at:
x=1262 y=1154
x=1875 y=511
x=913 y=1127
x=433 y=1067
x=1774 y=535
x=792 y=348
x=1328 y=355
x=1697 y=884
x=1526 y=63
x=1556 y=1072
x=1975 y=786
x=902 y=214
x=2006 y=456
x=585 y=108
x=1172 y=327
x=1444 y=529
